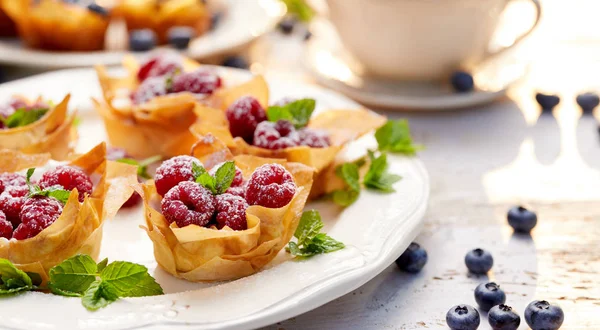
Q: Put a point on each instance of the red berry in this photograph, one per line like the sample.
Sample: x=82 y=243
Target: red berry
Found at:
x=159 y=65
x=244 y=115
x=237 y=191
x=231 y=211
x=68 y=178
x=271 y=185
x=37 y=214
x=172 y=171
x=188 y=203
x=6 y=228
x=314 y=138
x=133 y=201
x=200 y=82
x=11 y=202
x=11 y=179
x=279 y=135
x=149 y=89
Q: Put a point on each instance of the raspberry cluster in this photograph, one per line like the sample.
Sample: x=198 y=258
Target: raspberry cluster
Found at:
x=186 y=202
x=163 y=74
x=248 y=120
x=23 y=217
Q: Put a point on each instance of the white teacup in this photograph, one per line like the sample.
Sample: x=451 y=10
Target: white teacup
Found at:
x=418 y=39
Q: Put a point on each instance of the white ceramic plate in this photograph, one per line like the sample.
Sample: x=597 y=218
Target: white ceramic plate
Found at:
x=332 y=66
x=242 y=22
x=376 y=229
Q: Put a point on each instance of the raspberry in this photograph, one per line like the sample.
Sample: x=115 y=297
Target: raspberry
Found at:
x=68 y=178
x=159 y=65
x=279 y=135
x=237 y=191
x=11 y=202
x=244 y=115
x=314 y=138
x=149 y=89
x=271 y=185
x=11 y=179
x=37 y=214
x=188 y=203
x=172 y=171
x=6 y=227
x=231 y=212
x=199 y=82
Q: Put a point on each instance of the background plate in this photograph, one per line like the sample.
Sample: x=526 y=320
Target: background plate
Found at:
x=376 y=230
x=243 y=21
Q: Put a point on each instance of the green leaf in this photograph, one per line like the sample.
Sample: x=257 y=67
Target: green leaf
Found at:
x=377 y=176
x=29 y=174
x=300 y=9
x=208 y=182
x=197 y=170
x=102 y=264
x=13 y=279
x=349 y=173
x=322 y=243
x=97 y=296
x=297 y=112
x=395 y=136
x=24 y=117
x=73 y=276
x=224 y=176
x=126 y=279
x=345 y=197
x=59 y=194
x=309 y=226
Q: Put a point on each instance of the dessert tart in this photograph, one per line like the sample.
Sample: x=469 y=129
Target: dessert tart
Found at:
x=37 y=126
x=214 y=217
x=242 y=118
x=59 y=25
x=149 y=111
x=59 y=212
x=162 y=15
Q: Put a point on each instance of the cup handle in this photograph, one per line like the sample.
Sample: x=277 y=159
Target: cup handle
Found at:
x=538 y=11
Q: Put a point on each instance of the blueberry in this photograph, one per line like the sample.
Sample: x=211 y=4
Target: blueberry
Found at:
x=541 y=315
x=462 y=81
x=142 y=40
x=463 y=317
x=236 y=62
x=413 y=259
x=502 y=317
x=521 y=219
x=488 y=295
x=97 y=9
x=479 y=261
x=307 y=35
x=180 y=36
x=588 y=101
x=287 y=25
x=215 y=19
x=547 y=101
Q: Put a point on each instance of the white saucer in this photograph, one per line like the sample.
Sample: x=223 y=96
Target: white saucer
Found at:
x=242 y=22
x=334 y=67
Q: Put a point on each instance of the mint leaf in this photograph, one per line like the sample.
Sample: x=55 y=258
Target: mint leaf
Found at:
x=297 y=112
x=13 y=279
x=102 y=264
x=300 y=9
x=197 y=170
x=310 y=240
x=349 y=173
x=395 y=136
x=73 y=276
x=224 y=176
x=97 y=296
x=208 y=182
x=126 y=279
x=23 y=117
x=345 y=197
x=377 y=176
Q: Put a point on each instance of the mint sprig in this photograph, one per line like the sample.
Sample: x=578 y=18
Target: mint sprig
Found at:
x=297 y=112
x=378 y=177
x=310 y=240
x=395 y=136
x=13 y=279
x=142 y=165
x=349 y=173
x=23 y=117
x=218 y=183
x=57 y=193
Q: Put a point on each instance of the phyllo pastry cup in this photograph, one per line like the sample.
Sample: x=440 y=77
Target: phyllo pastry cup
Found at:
x=157 y=127
x=209 y=254
x=57 y=25
x=78 y=230
x=53 y=133
x=341 y=126
x=160 y=16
